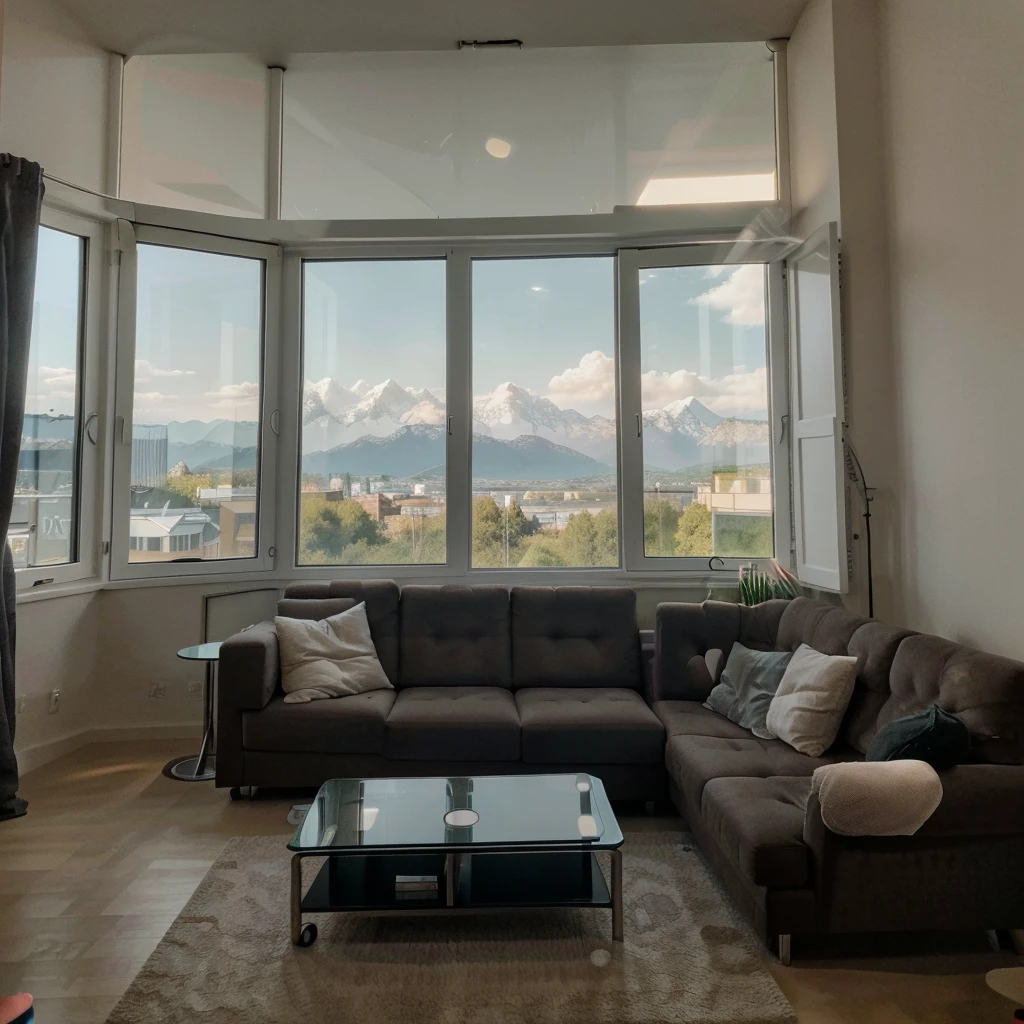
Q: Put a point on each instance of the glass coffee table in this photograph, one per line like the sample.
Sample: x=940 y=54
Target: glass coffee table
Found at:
x=456 y=846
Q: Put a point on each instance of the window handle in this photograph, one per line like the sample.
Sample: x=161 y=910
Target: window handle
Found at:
x=783 y=420
x=639 y=425
x=125 y=429
x=449 y=426
x=87 y=427
x=275 y=422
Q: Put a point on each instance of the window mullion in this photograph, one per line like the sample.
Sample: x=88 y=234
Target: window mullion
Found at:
x=459 y=400
x=631 y=472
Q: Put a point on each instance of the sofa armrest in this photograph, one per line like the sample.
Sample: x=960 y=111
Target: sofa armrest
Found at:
x=249 y=668
x=247 y=677
x=977 y=800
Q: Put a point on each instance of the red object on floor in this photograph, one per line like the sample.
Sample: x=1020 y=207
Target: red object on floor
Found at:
x=12 y=1007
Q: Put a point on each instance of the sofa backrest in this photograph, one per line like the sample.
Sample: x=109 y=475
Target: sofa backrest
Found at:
x=575 y=636
x=455 y=636
x=313 y=607
x=381 y=599
x=985 y=691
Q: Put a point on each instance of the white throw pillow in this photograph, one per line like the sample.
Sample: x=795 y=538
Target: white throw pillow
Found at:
x=808 y=707
x=877 y=798
x=332 y=657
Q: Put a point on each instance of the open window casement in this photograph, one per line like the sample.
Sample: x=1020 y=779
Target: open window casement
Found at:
x=818 y=412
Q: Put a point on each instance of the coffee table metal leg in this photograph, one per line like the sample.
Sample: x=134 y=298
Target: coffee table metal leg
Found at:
x=616 y=895
x=296 y=901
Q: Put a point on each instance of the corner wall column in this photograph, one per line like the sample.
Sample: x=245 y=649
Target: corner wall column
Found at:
x=275 y=140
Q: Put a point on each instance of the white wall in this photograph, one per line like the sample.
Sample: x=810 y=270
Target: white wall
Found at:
x=953 y=101
x=53 y=92
x=837 y=168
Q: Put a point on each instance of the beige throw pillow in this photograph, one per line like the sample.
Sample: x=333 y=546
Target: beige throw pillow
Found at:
x=808 y=707
x=332 y=657
x=877 y=798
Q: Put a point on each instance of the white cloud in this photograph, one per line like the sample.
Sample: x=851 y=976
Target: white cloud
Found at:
x=741 y=294
x=239 y=401
x=145 y=370
x=57 y=376
x=592 y=381
x=735 y=394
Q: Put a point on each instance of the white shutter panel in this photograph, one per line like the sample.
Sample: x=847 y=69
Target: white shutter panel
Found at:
x=818 y=412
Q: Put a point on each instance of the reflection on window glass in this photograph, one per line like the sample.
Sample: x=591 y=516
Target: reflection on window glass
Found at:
x=533 y=132
x=544 y=439
x=196 y=422
x=43 y=527
x=707 y=475
x=373 y=413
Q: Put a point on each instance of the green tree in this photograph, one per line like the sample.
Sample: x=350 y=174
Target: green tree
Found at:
x=606 y=523
x=661 y=520
x=489 y=536
x=543 y=550
x=243 y=478
x=579 y=540
x=327 y=528
x=188 y=485
x=693 y=537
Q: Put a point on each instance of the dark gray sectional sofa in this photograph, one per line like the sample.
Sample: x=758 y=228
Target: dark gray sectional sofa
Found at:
x=537 y=679
x=487 y=681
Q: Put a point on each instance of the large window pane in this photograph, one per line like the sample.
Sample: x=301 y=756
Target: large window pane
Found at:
x=195 y=430
x=544 y=439
x=373 y=413
x=44 y=520
x=533 y=132
x=193 y=132
x=707 y=476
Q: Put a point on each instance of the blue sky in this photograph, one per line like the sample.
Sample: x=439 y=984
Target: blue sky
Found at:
x=545 y=324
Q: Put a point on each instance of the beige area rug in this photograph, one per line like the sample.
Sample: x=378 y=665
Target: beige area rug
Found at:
x=688 y=957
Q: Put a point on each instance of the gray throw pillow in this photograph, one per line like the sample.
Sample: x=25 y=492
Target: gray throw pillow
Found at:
x=749 y=682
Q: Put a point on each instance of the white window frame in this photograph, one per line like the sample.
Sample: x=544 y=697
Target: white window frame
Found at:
x=629 y=365
x=130 y=236
x=89 y=427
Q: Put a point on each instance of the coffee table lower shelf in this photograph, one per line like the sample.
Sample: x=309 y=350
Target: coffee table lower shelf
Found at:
x=468 y=883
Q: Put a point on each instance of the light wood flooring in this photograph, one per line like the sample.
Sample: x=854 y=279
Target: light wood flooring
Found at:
x=111 y=850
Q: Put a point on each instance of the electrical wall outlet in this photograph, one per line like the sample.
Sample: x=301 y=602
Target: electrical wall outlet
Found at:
x=19 y=704
x=195 y=689
x=54 y=705
x=158 y=691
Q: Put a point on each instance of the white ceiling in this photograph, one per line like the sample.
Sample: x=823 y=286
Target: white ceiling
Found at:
x=272 y=29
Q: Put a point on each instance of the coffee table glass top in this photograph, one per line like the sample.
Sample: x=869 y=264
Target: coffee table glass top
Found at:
x=366 y=815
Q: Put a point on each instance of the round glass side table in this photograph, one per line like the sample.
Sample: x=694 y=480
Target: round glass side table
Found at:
x=201 y=768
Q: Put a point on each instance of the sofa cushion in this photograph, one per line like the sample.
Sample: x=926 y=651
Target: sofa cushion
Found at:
x=758 y=824
x=381 y=599
x=455 y=636
x=453 y=723
x=575 y=636
x=690 y=718
x=345 y=725
x=825 y=627
x=693 y=761
x=985 y=691
x=578 y=725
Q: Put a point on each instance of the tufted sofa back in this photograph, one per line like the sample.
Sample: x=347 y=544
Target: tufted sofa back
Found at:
x=455 y=636
x=575 y=636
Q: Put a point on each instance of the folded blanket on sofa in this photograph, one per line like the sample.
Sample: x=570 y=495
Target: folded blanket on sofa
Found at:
x=877 y=798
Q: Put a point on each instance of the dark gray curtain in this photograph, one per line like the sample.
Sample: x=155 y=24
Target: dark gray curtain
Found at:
x=21 y=197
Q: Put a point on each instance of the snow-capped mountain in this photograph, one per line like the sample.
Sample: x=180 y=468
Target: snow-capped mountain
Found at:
x=674 y=435
x=511 y=411
x=333 y=414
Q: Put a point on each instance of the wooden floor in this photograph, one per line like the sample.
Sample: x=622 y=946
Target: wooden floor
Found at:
x=111 y=850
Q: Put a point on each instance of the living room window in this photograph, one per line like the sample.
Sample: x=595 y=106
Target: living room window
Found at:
x=57 y=482
x=373 y=477
x=191 y=454
x=544 y=423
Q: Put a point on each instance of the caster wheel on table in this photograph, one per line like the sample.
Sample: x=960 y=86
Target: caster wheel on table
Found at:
x=235 y=793
x=308 y=935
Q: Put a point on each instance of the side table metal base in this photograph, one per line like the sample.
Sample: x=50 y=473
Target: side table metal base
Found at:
x=185 y=769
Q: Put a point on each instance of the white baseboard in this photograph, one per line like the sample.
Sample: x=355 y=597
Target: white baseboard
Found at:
x=38 y=754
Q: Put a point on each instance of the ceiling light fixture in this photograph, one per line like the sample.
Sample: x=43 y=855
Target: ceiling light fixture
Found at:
x=500 y=149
